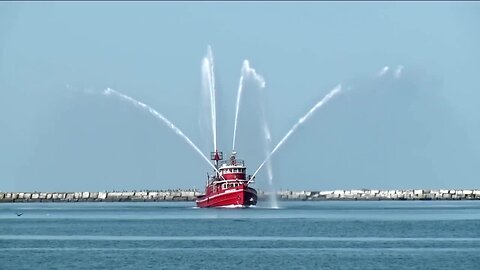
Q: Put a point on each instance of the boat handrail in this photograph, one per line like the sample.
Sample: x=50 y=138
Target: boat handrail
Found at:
x=226 y=181
x=236 y=162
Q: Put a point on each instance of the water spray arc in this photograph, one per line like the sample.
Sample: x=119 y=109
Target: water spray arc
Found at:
x=208 y=83
x=153 y=112
x=237 y=108
x=245 y=73
x=300 y=121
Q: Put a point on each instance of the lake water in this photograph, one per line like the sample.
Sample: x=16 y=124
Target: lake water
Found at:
x=299 y=235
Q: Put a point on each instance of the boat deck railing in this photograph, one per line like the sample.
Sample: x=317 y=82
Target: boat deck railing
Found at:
x=236 y=162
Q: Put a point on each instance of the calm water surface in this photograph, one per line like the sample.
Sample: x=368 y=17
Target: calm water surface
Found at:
x=299 y=235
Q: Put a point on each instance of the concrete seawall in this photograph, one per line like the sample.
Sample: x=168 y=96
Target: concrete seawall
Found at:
x=367 y=194
x=190 y=195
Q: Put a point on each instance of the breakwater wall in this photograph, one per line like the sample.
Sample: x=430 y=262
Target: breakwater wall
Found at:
x=190 y=195
x=367 y=194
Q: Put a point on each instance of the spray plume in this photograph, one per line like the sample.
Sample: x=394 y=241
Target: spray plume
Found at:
x=208 y=81
x=383 y=71
x=245 y=73
x=268 y=142
x=398 y=72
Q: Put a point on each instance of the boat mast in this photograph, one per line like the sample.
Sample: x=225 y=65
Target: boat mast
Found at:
x=216 y=156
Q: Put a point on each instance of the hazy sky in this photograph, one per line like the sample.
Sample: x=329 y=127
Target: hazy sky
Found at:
x=420 y=129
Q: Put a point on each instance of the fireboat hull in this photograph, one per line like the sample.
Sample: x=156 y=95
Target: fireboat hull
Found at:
x=229 y=198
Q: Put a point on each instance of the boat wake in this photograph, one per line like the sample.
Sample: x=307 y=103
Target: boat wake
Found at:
x=234 y=206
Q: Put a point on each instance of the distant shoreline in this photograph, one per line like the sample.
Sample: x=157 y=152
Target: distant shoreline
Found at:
x=190 y=195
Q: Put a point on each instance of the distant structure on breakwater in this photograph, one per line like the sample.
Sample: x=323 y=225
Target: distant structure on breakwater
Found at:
x=190 y=195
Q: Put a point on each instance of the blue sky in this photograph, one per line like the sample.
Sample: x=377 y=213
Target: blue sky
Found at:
x=417 y=131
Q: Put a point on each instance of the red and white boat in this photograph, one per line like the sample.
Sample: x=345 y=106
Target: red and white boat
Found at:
x=228 y=187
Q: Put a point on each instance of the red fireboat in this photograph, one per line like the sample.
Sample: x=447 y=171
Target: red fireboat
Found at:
x=228 y=186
